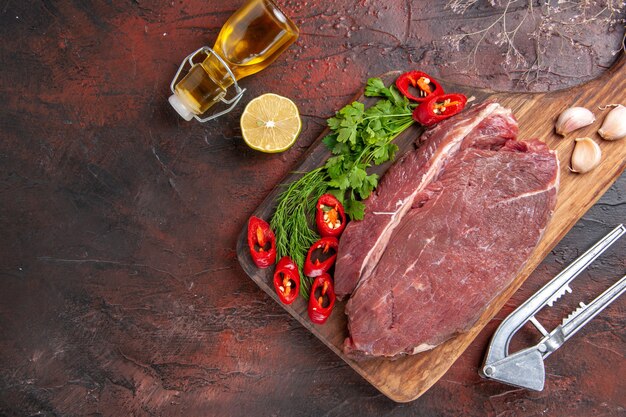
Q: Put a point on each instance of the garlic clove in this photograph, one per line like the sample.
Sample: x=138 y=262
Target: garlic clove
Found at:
x=586 y=155
x=572 y=119
x=614 y=125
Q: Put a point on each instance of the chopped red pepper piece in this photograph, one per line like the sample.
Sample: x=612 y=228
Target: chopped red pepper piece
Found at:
x=321 y=256
x=330 y=216
x=426 y=85
x=438 y=108
x=287 y=280
x=261 y=242
x=322 y=299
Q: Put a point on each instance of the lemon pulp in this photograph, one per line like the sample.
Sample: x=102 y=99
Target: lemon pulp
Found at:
x=270 y=123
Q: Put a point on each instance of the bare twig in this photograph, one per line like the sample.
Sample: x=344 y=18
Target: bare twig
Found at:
x=543 y=21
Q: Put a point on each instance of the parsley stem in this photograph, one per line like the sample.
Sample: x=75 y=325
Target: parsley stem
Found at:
x=378 y=116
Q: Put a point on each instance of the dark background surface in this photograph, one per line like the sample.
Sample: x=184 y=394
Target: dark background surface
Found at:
x=121 y=293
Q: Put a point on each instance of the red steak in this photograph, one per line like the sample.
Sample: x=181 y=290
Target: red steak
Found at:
x=487 y=125
x=468 y=231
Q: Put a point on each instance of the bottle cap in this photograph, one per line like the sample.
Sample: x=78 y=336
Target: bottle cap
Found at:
x=180 y=107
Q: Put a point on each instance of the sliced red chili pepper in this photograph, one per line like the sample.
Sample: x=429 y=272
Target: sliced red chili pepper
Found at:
x=322 y=299
x=436 y=109
x=287 y=280
x=426 y=85
x=262 y=242
x=321 y=256
x=330 y=216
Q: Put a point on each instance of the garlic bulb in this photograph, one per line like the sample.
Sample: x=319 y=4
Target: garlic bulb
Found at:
x=614 y=125
x=573 y=118
x=586 y=155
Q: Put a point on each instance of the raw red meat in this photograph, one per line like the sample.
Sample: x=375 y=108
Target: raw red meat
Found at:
x=469 y=229
x=487 y=125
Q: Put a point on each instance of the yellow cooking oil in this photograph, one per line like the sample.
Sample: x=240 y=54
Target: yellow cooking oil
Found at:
x=252 y=38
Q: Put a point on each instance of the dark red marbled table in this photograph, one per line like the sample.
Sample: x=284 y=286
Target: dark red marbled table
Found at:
x=121 y=293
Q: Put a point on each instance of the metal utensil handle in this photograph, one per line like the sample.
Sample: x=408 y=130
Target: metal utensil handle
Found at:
x=593 y=308
x=499 y=347
x=579 y=318
x=575 y=268
x=545 y=294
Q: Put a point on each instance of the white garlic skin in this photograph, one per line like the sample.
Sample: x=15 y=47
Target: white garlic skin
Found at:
x=614 y=125
x=572 y=119
x=586 y=155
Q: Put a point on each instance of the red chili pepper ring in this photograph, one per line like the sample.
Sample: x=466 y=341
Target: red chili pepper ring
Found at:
x=322 y=299
x=426 y=85
x=261 y=242
x=436 y=109
x=287 y=280
x=321 y=256
x=330 y=216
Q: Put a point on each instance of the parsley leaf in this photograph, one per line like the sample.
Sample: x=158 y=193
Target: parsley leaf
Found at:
x=375 y=88
x=355 y=209
x=361 y=137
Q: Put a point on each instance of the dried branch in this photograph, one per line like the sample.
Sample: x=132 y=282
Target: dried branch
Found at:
x=544 y=21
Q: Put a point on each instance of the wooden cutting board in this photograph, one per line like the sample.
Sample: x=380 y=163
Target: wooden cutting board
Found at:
x=407 y=378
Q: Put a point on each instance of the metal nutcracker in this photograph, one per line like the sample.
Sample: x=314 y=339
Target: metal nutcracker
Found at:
x=525 y=368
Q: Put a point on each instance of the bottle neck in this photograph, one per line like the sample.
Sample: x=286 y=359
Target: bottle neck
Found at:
x=218 y=71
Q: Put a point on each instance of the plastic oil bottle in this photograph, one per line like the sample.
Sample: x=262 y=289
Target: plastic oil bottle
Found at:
x=252 y=38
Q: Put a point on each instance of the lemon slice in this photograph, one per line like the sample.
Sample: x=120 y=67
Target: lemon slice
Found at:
x=270 y=123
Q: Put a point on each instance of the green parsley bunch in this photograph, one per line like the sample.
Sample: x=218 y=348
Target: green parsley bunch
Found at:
x=361 y=137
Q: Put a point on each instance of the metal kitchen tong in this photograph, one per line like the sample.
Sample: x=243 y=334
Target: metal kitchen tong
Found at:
x=525 y=368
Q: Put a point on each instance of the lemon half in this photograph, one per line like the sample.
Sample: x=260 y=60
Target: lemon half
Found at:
x=270 y=123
